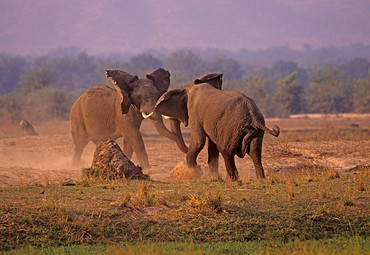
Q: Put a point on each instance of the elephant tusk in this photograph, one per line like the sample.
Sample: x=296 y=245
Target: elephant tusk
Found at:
x=166 y=117
x=146 y=116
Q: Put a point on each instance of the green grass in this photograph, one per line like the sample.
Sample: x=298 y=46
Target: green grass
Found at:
x=335 y=246
x=281 y=213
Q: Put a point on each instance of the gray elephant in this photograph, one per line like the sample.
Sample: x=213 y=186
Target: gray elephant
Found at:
x=102 y=113
x=214 y=79
x=231 y=121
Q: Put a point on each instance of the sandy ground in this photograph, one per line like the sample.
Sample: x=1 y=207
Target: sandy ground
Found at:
x=46 y=158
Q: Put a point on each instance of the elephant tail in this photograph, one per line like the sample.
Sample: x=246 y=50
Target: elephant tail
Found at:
x=275 y=130
x=251 y=133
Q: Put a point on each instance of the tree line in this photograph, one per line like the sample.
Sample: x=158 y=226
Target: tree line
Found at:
x=44 y=87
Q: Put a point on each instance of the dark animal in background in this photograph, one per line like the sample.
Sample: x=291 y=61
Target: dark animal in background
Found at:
x=27 y=128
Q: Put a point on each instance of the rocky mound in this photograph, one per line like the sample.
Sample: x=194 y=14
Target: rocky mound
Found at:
x=110 y=163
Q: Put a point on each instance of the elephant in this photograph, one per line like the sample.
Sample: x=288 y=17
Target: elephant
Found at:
x=214 y=79
x=103 y=113
x=230 y=120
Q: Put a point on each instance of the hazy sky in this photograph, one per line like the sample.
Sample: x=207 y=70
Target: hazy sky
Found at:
x=39 y=26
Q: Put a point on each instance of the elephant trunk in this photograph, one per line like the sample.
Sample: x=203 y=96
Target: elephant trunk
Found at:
x=175 y=135
x=175 y=128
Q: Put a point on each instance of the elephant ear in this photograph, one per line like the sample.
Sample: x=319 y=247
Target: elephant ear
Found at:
x=173 y=104
x=160 y=78
x=121 y=81
x=213 y=79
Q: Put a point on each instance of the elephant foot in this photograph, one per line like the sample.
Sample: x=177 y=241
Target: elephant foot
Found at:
x=214 y=176
x=260 y=175
x=182 y=172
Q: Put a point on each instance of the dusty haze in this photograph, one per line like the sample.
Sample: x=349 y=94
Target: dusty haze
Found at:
x=303 y=143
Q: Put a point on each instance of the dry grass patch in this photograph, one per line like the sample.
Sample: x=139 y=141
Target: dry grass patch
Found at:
x=176 y=212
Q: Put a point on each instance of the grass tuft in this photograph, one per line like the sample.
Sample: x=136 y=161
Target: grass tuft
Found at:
x=292 y=184
x=123 y=200
x=330 y=173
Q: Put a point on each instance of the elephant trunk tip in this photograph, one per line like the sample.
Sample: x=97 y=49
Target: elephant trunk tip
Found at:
x=276 y=131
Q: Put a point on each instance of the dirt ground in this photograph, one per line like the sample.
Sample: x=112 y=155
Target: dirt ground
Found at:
x=46 y=158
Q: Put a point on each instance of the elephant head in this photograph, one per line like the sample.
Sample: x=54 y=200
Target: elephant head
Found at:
x=174 y=104
x=143 y=95
x=140 y=93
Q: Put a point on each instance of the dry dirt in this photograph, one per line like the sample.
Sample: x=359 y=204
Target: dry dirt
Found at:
x=46 y=158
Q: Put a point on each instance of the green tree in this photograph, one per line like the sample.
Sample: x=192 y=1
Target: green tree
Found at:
x=36 y=79
x=46 y=104
x=282 y=68
x=11 y=70
x=230 y=67
x=358 y=68
x=233 y=85
x=143 y=63
x=329 y=92
x=258 y=88
x=11 y=107
x=184 y=66
x=361 y=95
x=288 y=96
x=36 y=100
x=75 y=73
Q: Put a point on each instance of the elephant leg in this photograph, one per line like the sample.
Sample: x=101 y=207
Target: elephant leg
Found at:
x=137 y=143
x=230 y=166
x=127 y=148
x=213 y=158
x=80 y=144
x=255 y=153
x=197 y=142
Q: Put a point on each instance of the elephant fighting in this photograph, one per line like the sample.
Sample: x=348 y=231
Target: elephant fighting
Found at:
x=228 y=121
